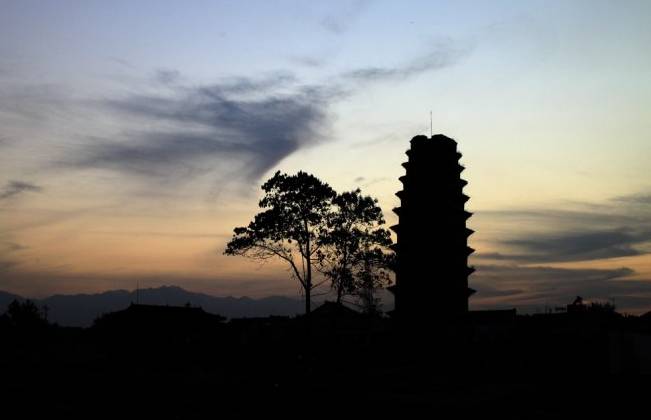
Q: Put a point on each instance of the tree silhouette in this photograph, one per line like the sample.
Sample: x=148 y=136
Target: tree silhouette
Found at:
x=25 y=314
x=290 y=228
x=355 y=258
x=374 y=268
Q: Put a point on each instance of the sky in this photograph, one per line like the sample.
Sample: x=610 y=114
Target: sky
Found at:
x=135 y=135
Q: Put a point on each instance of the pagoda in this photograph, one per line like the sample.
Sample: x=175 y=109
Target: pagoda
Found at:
x=432 y=238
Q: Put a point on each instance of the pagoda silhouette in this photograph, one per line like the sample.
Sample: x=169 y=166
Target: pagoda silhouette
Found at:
x=432 y=238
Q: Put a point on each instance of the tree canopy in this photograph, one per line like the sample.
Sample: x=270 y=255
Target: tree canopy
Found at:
x=305 y=223
x=355 y=248
x=296 y=209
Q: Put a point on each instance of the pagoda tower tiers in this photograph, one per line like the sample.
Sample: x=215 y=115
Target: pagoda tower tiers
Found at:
x=432 y=238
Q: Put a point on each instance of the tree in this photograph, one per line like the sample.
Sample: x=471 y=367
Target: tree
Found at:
x=290 y=228
x=355 y=256
x=26 y=314
x=373 y=273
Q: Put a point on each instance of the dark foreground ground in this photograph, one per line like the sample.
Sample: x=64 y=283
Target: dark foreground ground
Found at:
x=527 y=368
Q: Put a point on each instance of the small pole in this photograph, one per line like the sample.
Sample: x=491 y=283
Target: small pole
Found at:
x=431 y=130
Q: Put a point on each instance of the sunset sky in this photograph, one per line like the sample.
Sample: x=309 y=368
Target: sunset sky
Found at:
x=134 y=135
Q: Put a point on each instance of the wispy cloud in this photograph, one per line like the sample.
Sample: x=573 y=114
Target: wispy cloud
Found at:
x=307 y=61
x=34 y=102
x=440 y=55
x=246 y=85
x=167 y=76
x=8 y=247
x=617 y=228
x=122 y=62
x=14 y=188
x=256 y=122
x=240 y=120
x=520 y=273
x=575 y=246
x=569 y=214
x=345 y=16
x=530 y=288
x=6 y=265
x=8 y=257
x=168 y=130
x=635 y=199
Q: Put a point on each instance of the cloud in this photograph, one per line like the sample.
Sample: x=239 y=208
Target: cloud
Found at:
x=167 y=77
x=366 y=182
x=246 y=85
x=14 y=188
x=308 y=61
x=578 y=246
x=250 y=121
x=169 y=131
x=8 y=262
x=441 y=55
x=591 y=232
x=530 y=288
x=634 y=199
x=339 y=22
x=7 y=247
x=122 y=62
x=35 y=102
x=488 y=291
x=588 y=215
x=518 y=273
x=6 y=265
x=543 y=277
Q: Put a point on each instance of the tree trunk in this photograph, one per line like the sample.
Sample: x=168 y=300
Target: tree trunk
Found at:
x=308 y=279
x=339 y=284
x=307 y=299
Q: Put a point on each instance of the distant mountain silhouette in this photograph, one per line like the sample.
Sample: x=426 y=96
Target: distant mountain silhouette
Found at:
x=81 y=310
x=5 y=299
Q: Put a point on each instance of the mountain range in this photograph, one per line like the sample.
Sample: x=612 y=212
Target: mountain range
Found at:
x=81 y=310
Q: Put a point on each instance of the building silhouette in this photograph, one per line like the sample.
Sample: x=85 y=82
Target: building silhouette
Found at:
x=432 y=238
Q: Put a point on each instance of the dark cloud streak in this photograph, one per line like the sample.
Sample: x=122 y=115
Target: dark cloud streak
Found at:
x=592 y=233
x=643 y=199
x=8 y=247
x=579 y=246
x=167 y=77
x=529 y=288
x=441 y=55
x=257 y=122
x=14 y=188
x=211 y=124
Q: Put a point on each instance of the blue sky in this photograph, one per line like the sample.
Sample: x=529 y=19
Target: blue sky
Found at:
x=135 y=135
